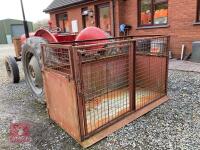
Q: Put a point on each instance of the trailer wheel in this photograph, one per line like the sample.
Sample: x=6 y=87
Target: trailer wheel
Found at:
x=31 y=59
x=12 y=69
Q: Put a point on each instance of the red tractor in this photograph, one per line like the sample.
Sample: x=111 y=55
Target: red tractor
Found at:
x=30 y=54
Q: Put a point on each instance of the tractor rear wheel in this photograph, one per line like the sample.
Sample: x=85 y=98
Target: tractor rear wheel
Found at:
x=12 y=69
x=31 y=59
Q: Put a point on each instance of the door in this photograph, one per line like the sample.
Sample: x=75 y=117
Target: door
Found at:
x=17 y=30
x=62 y=22
x=85 y=17
x=103 y=17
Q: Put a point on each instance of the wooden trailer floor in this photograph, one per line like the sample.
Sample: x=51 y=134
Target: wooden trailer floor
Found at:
x=105 y=108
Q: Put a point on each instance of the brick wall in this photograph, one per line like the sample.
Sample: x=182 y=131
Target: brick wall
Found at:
x=181 y=18
x=74 y=13
x=181 y=28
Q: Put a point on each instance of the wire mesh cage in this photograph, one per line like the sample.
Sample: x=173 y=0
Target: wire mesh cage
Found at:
x=58 y=58
x=151 y=70
x=105 y=82
x=112 y=79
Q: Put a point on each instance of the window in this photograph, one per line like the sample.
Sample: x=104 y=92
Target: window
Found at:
x=153 y=12
x=85 y=17
x=103 y=17
x=62 y=22
x=198 y=11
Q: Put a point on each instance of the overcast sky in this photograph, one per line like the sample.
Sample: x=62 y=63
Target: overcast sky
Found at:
x=33 y=9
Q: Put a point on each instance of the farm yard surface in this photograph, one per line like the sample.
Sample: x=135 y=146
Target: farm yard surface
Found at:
x=173 y=125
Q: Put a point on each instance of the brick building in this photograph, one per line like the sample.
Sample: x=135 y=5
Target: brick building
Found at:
x=178 y=18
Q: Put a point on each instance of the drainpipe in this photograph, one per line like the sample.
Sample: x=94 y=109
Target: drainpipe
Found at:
x=113 y=12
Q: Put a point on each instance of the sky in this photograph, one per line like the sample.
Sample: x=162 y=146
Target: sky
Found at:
x=33 y=9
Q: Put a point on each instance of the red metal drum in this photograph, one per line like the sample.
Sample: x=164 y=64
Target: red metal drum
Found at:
x=92 y=33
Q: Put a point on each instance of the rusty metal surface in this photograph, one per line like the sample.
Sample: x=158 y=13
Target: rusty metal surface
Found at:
x=111 y=79
x=61 y=102
x=17 y=45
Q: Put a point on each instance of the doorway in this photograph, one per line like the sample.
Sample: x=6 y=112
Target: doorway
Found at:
x=62 y=22
x=103 y=17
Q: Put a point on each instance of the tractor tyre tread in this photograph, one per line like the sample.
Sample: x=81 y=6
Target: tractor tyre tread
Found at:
x=32 y=45
x=14 y=76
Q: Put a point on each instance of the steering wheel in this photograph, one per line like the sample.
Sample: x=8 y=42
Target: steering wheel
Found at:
x=52 y=30
x=55 y=30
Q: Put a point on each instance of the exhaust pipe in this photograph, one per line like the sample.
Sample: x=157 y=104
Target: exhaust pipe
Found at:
x=24 y=21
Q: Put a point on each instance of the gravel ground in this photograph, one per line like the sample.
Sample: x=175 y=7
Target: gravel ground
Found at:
x=173 y=125
x=184 y=66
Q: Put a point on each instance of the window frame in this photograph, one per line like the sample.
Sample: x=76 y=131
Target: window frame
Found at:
x=152 y=15
x=198 y=11
x=58 y=20
x=97 y=14
x=84 y=17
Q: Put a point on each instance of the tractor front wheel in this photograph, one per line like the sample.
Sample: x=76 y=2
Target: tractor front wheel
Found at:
x=31 y=59
x=12 y=69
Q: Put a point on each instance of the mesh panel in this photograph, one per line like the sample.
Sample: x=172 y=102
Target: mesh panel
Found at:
x=105 y=74
x=57 y=58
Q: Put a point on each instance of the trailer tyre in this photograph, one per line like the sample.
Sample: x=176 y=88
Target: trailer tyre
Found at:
x=12 y=69
x=31 y=59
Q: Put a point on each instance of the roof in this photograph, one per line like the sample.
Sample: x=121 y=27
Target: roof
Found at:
x=62 y=3
x=13 y=20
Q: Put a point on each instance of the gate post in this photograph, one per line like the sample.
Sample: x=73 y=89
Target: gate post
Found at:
x=80 y=97
x=132 y=86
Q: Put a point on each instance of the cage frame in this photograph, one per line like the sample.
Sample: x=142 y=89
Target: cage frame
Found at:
x=74 y=79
